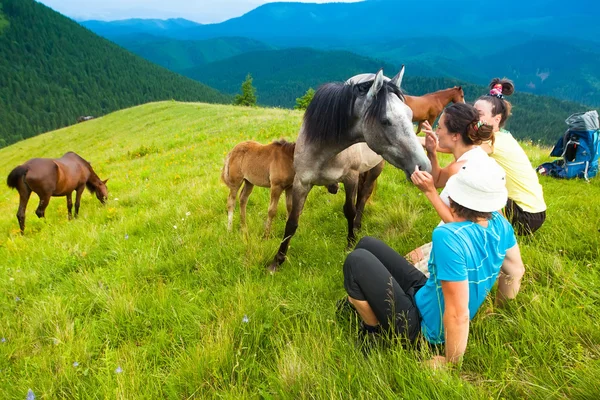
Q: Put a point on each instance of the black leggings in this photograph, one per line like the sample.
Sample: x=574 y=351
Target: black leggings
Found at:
x=525 y=223
x=378 y=274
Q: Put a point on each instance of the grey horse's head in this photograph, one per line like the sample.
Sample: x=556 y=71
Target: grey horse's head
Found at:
x=385 y=121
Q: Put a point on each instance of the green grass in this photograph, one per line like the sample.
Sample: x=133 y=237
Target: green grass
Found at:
x=122 y=287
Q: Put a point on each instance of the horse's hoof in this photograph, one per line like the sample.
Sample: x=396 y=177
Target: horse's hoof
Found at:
x=273 y=268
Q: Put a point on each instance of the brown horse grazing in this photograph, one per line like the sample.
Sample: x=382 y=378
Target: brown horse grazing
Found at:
x=55 y=177
x=430 y=105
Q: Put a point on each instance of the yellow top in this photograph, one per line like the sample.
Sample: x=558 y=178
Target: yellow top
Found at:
x=521 y=179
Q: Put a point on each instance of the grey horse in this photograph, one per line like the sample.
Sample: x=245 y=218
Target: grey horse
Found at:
x=347 y=129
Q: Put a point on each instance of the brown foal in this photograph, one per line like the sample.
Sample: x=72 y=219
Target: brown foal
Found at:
x=252 y=163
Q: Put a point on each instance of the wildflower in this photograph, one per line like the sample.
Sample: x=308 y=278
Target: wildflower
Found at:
x=174 y=226
x=30 y=395
x=187 y=214
x=245 y=319
x=118 y=370
x=126 y=236
x=17 y=298
x=75 y=364
x=3 y=340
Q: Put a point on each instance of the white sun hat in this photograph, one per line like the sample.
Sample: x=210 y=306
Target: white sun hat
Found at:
x=479 y=185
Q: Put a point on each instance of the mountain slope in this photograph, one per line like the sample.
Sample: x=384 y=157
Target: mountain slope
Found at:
x=182 y=54
x=150 y=297
x=280 y=76
x=52 y=70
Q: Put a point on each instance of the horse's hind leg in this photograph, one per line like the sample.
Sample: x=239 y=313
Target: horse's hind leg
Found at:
x=70 y=204
x=351 y=187
x=41 y=210
x=365 y=189
x=246 y=190
x=231 y=205
x=275 y=194
x=24 y=194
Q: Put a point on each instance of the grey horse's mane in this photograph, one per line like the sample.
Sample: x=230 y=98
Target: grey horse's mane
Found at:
x=330 y=113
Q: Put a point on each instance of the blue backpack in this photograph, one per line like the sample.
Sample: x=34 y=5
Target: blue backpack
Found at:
x=578 y=148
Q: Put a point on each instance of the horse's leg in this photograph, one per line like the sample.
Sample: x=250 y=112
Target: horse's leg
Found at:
x=70 y=204
x=419 y=126
x=351 y=187
x=275 y=194
x=365 y=190
x=246 y=190
x=44 y=200
x=24 y=194
x=288 y=200
x=300 y=192
x=78 y=193
x=233 y=191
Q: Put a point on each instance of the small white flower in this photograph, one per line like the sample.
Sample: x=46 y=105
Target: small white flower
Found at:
x=3 y=340
x=245 y=319
x=30 y=395
x=187 y=214
x=118 y=370
x=75 y=364
x=116 y=199
x=11 y=279
x=174 y=226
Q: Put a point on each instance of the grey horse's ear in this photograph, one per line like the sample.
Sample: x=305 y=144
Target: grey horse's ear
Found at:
x=397 y=80
x=377 y=84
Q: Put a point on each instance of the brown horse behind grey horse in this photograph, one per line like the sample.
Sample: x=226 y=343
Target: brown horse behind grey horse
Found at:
x=55 y=177
x=430 y=105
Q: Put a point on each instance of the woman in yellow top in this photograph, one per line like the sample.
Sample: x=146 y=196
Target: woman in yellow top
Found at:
x=525 y=209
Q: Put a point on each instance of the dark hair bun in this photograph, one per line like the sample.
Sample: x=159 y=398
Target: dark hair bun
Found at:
x=508 y=87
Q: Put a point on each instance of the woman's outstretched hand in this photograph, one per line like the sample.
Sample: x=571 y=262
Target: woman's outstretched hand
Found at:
x=431 y=140
x=423 y=180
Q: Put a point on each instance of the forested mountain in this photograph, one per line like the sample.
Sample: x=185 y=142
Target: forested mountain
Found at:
x=562 y=68
x=52 y=70
x=280 y=76
x=182 y=54
x=110 y=29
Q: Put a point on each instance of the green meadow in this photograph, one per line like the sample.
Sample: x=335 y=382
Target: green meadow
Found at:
x=150 y=297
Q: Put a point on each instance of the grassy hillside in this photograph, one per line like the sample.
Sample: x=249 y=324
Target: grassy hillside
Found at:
x=52 y=70
x=280 y=76
x=147 y=296
x=183 y=54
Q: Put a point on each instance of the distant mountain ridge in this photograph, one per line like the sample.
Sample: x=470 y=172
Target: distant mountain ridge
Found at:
x=177 y=55
x=111 y=29
x=52 y=71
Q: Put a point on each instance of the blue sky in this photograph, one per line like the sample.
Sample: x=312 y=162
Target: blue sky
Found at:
x=203 y=11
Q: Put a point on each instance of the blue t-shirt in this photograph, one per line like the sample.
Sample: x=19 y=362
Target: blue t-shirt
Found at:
x=462 y=251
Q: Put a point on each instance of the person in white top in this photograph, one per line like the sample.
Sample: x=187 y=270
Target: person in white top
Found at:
x=460 y=132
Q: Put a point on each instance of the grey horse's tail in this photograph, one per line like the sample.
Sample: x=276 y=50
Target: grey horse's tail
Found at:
x=15 y=176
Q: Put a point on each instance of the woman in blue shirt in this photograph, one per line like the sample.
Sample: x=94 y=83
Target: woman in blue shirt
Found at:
x=468 y=256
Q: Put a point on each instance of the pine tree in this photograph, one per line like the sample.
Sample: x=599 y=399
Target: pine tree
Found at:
x=303 y=102
x=248 y=96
